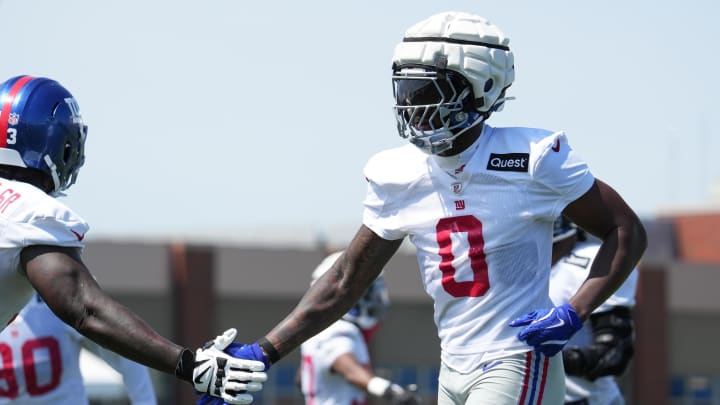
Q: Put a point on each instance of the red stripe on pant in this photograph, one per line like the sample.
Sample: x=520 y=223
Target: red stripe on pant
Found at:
x=546 y=364
x=526 y=386
x=543 y=379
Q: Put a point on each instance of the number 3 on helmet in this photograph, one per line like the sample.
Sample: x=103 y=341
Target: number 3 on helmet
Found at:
x=41 y=128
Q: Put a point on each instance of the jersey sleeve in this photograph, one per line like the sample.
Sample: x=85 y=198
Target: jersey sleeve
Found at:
x=376 y=214
x=54 y=231
x=46 y=221
x=560 y=172
x=390 y=176
x=339 y=339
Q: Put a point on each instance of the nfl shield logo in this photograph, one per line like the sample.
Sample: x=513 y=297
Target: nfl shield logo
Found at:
x=13 y=119
x=457 y=188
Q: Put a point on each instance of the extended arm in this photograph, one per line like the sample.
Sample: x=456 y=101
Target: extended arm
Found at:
x=67 y=287
x=347 y=366
x=358 y=375
x=334 y=293
x=604 y=214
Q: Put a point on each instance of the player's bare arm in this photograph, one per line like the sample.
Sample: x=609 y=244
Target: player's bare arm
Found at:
x=47 y=236
x=603 y=213
x=348 y=367
x=66 y=285
x=335 y=292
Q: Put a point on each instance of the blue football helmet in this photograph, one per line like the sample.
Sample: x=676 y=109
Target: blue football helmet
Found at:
x=41 y=128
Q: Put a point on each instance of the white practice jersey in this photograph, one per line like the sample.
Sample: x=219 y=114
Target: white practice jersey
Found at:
x=29 y=216
x=320 y=385
x=41 y=362
x=566 y=277
x=482 y=233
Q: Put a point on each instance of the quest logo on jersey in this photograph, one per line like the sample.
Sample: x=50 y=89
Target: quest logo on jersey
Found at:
x=509 y=162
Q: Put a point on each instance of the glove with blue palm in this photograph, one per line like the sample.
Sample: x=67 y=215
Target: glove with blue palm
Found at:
x=241 y=351
x=548 y=330
x=212 y=371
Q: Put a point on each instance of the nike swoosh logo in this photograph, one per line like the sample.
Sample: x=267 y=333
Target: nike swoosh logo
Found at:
x=560 y=323
x=556 y=147
x=546 y=316
x=554 y=342
x=490 y=365
x=79 y=236
x=198 y=378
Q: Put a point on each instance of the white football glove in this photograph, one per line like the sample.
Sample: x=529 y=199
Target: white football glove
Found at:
x=220 y=375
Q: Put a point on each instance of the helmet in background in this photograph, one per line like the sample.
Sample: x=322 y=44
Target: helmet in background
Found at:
x=41 y=128
x=372 y=306
x=564 y=228
x=449 y=73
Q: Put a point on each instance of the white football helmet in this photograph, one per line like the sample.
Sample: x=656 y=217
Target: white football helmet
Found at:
x=450 y=73
x=372 y=306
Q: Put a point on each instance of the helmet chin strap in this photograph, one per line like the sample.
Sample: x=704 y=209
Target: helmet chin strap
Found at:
x=441 y=141
x=53 y=172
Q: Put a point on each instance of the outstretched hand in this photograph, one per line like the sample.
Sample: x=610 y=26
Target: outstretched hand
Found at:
x=397 y=395
x=548 y=330
x=252 y=353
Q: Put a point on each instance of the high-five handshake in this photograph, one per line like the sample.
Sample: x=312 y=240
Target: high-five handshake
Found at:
x=254 y=362
x=218 y=374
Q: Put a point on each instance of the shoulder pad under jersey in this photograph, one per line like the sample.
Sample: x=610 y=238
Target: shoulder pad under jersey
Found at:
x=38 y=218
x=398 y=166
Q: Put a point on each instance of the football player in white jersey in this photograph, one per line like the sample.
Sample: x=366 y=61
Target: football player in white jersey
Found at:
x=335 y=367
x=43 y=362
x=478 y=203
x=604 y=346
x=42 y=138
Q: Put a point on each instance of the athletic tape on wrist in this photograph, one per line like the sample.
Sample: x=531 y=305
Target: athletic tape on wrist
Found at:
x=269 y=349
x=185 y=365
x=378 y=386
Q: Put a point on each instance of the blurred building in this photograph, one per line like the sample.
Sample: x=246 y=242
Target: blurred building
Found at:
x=194 y=289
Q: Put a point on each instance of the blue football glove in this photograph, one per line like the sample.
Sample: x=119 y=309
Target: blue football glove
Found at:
x=548 y=330
x=241 y=351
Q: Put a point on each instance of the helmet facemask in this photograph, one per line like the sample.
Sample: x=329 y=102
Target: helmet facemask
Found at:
x=433 y=107
x=456 y=50
x=68 y=156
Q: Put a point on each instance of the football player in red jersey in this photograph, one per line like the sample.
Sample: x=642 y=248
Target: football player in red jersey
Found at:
x=478 y=203
x=42 y=140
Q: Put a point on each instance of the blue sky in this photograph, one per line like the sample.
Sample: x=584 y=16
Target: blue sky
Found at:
x=208 y=115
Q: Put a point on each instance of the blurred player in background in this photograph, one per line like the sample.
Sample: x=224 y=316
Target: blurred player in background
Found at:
x=42 y=362
x=478 y=202
x=335 y=368
x=42 y=141
x=604 y=346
